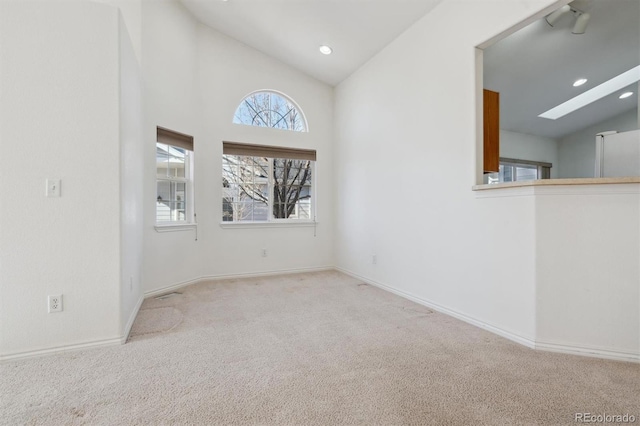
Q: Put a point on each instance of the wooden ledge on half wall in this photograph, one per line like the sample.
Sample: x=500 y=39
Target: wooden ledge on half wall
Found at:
x=548 y=182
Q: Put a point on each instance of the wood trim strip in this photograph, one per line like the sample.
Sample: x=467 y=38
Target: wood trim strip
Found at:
x=491 y=131
x=174 y=138
x=251 y=150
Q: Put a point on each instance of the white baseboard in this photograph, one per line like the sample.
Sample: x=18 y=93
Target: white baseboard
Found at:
x=182 y=284
x=526 y=341
x=79 y=346
x=122 y=339
x=589 y=351
x=132 y=318
x=58 y=349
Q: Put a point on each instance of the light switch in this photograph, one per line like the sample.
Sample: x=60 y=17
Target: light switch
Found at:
x=53 y=187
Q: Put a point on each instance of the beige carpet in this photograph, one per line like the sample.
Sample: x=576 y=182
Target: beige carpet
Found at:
x=311 y=349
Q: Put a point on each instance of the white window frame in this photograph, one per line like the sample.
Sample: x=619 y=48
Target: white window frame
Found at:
x=189 y=203
x=271 y=220
x=312 y=210
x=543 y=170
x=270 y=92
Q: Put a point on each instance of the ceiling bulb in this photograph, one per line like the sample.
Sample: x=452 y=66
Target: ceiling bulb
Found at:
x=554 y=16
x=325 y=50
x=581 y=23
x=626 y=95
x=579 y=82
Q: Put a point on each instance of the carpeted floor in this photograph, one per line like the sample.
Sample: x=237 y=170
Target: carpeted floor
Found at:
x=309 y=349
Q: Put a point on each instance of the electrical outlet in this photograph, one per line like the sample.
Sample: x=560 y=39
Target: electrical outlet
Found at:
x=264 y=252
x=55 y=303
x=374 y=259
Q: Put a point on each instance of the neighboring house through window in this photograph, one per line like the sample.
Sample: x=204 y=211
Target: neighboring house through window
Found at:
x=174 y=177
x=265 y=183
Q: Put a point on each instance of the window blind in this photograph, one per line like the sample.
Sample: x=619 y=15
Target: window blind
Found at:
x=250 y=150
x=174 y=138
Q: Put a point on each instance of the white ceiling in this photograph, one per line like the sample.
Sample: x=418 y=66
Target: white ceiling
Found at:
x=292 y=30
x=534 y=68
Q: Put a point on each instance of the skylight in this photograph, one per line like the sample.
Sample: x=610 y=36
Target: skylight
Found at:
x=608 y=87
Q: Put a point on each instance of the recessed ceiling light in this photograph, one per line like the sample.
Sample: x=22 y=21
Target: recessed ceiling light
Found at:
x=325 y=50
x=579 y=82
x=605 y=89
x=626 y=95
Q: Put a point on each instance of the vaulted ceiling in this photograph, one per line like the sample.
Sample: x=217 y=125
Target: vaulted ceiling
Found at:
x=534 y=69
x=292 y=31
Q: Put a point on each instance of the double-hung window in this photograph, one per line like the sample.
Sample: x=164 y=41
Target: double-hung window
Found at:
x=174 y=177
x=266 y=183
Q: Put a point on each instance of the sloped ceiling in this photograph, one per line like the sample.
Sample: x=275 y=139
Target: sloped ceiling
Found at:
x=292 y=30
x=534 y=68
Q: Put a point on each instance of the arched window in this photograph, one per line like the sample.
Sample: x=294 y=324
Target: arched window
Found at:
x=270 y=109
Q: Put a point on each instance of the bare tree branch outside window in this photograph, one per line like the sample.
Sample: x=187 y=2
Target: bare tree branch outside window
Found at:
x=246 y=183
x=249 y=182
x=268 y=109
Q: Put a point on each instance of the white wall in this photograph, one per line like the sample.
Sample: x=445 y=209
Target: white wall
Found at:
x=396 y=177
x=195 y=78
x=59 y=106
x=404 y=166
x=529 y=147
x=170 y=99
x=131 y=11
x=577 y=151
x=405 y=150
x=588 y=266
x=131 y=178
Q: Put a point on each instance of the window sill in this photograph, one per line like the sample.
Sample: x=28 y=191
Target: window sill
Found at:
x=254 y=225
x=175 y=227
x=553 y=182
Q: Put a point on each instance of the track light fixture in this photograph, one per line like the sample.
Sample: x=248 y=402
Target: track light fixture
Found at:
x=554 y=16
x=582 y=18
